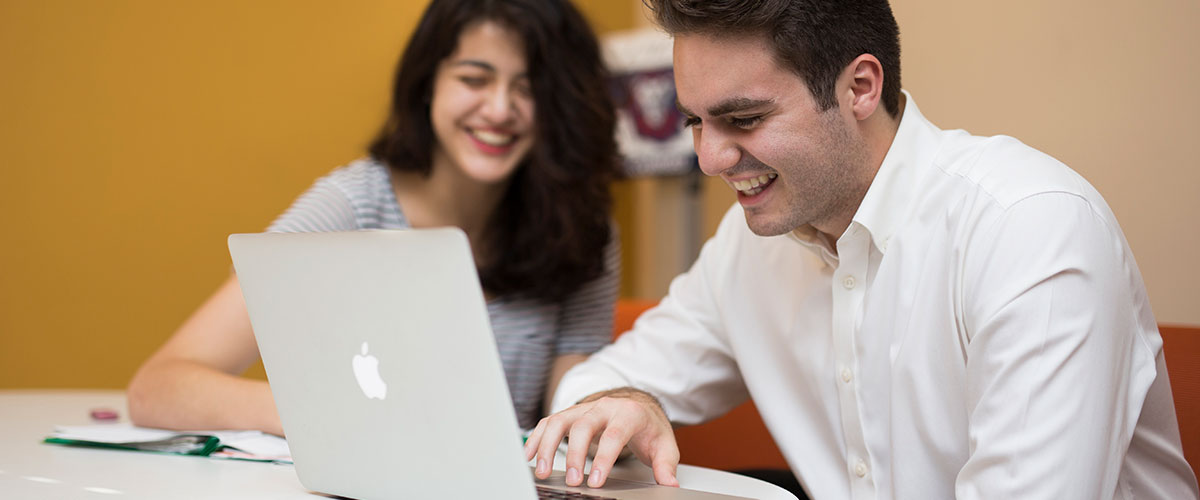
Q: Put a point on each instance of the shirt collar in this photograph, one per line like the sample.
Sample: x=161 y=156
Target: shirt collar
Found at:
x=888 y=200
x=893 y=190
x=816 y=241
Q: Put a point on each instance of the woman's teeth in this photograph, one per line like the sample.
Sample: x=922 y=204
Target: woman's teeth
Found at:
x=492 y=138
x=754 y=185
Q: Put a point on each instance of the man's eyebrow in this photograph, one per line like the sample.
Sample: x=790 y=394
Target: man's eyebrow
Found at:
x=682 y=109
x=736 y=104
x=727 y=106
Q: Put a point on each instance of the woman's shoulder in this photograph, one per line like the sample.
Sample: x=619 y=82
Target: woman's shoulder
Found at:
x=361 y=177
x=366 y=186
x=362 y=181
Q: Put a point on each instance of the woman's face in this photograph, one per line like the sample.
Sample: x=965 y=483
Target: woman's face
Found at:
x=482 y=109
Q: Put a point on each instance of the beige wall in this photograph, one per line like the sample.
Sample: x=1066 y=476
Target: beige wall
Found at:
x=135 y=135
x=1110 y=88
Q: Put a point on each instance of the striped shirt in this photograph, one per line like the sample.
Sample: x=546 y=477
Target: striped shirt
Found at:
x=529 y=333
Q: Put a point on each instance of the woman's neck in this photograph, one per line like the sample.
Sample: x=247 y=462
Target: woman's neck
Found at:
x=448 y=198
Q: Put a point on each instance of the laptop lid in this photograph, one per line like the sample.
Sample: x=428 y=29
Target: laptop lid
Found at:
x=380 y=355
x=384 y=368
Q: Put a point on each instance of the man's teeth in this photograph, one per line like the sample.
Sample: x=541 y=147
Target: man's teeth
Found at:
x=492 y=138
x=754 y=185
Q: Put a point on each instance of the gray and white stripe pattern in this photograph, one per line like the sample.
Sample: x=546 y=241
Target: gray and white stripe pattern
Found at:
x=529 y=333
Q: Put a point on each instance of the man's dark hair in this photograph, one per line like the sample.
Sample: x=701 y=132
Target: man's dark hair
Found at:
x=548 y=234
x=816 y=38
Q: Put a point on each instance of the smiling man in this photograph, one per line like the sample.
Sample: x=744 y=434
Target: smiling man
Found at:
x=917 y=313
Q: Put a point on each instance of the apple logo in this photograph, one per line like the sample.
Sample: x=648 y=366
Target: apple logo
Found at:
x=366 y=372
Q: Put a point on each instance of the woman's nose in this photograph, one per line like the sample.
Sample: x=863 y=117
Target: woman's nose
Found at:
x=498 y=106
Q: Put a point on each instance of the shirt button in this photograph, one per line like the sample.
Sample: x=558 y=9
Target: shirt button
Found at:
x=860 y=468
x=847 y=375
x=848 y=282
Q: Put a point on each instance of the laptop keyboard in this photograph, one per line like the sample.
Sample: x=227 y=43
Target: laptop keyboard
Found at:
x=545 y=493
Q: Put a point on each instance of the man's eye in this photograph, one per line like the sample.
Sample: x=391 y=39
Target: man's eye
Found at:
x=690 y=121
x=745 y=122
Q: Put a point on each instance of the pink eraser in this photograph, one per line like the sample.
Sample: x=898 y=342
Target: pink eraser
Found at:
x=104 y=414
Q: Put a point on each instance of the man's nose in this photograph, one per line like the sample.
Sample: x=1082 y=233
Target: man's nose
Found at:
x=716 y=152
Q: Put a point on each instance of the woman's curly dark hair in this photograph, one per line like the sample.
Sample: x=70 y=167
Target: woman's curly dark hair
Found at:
x=547 y=236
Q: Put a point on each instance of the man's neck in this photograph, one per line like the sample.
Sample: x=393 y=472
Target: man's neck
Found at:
x=878 y=132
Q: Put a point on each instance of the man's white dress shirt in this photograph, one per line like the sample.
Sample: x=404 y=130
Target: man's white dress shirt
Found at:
x=982 y=331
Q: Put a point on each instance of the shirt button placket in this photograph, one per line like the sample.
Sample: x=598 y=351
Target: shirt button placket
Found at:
x=860 y=468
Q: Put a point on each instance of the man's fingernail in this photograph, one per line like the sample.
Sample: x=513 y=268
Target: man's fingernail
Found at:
x=596 y=478
x=573 y=477
x=542 y=467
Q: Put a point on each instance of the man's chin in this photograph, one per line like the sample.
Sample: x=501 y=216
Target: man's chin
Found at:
x=764 y=226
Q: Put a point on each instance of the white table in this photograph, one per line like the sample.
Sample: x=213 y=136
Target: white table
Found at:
x=31 y=469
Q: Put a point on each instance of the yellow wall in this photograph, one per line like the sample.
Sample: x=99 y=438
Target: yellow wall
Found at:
x=137 y=134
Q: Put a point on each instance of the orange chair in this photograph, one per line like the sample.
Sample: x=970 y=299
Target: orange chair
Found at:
x=736 y=441
x=1181 y=346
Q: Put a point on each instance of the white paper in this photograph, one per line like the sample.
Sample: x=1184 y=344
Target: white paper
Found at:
x=253 y=442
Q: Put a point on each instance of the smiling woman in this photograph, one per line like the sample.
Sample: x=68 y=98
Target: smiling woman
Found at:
x=500 y=124
x=482 y=109
x=522 y=72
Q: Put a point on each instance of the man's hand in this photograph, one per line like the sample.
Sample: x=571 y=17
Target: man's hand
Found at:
x=613 y=418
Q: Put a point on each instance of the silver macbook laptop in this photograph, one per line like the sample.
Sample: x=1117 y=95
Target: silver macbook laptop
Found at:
x=385 y=372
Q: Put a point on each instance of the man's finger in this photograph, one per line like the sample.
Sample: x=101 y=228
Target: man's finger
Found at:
x=663 y=453
x=534 y=438
x=612 y=442
x=579 y=440
x=664 y=470
x=547 y=446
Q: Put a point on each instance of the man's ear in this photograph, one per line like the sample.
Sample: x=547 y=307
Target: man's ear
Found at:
x=862 y=83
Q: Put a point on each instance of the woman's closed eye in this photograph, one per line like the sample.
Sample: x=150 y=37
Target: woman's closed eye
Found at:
x=523 y=88
x=473 y=81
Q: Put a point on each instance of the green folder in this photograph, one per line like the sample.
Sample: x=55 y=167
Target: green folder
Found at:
x=230 y=445
x=182 y=444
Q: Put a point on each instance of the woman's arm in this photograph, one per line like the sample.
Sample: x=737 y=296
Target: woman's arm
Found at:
x=562 y=363
x=585 y=321
x=193 y=381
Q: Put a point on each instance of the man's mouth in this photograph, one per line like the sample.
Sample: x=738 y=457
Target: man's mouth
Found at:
x=753 y=185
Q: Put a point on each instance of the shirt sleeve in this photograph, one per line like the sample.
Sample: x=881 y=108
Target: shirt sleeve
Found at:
x=676 y=351
x=1061 y=352
x=323 y=208
x=586 y=318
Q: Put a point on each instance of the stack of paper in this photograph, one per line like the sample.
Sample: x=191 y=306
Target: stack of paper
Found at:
x=236 y=445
